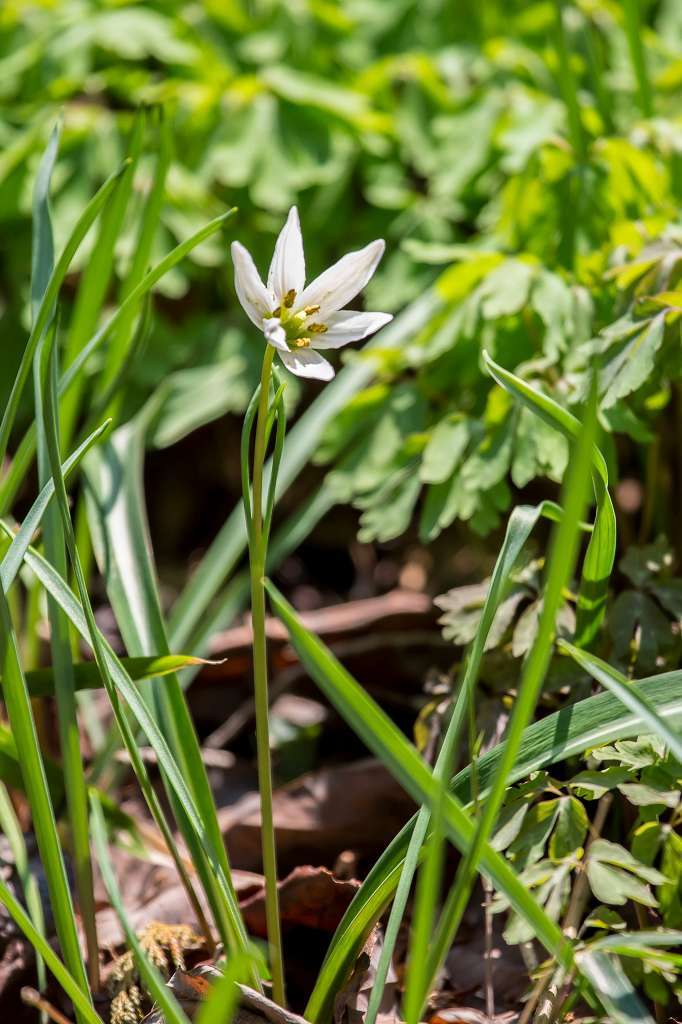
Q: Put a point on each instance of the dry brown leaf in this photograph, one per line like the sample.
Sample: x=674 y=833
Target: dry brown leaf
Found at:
x=319 y=815
x=350 y=1005
x=309 y=897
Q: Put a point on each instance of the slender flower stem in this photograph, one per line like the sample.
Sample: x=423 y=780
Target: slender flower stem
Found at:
x=257 y=557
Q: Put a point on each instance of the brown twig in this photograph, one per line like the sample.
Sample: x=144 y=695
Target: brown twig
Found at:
x=33 y=998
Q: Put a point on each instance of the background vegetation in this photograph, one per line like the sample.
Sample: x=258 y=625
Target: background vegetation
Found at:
x=523 y=162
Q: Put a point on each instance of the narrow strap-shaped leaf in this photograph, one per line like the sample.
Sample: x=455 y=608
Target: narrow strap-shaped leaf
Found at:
x=119 y=348
x=67 y=713
x=21 y=721
x=96 y=276
x=247 y=430
x=281 y=421
x=386 y=742
x=10 y=769
x=40 y=681
x=562 y=557
x=220 y=1005
x=27 y=445
x=521 y=523
x=153 y=982
x=601 y=551
x=42 y=265
x=590 y=723
x=47 y=304
x=630 y=696
x=132 y=300
x=10 y=827
x=42 y=249
x=117 y=517
x=14 y=556
x=60 y=641
x=83 y=1006
x=116 y=681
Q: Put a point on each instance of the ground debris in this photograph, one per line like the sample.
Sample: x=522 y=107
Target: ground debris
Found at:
x=165 y=945
x=309 y=897
x=315 y=815
x=351 y=1003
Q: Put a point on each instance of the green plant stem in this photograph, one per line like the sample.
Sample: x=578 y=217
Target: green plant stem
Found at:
x=257 y=556
x=568 y=85
x=633 y=31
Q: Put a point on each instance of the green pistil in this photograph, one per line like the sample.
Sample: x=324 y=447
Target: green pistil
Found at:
x=297 y=334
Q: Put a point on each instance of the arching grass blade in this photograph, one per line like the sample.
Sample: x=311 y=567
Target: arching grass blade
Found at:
x=629 y=695
x=601 y=551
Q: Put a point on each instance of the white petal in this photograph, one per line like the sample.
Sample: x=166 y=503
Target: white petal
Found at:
x=347 y=326
x=287 y=270
x=275 y=334
x=305 y=362
x=251 y=292
x=338 y=285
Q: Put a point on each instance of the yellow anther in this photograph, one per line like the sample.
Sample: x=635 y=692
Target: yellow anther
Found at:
x=317 y=328
x=302 y=343
x=289 y=298
x=309 y=310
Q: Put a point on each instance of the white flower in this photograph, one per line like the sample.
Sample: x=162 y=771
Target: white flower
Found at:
x=300 y=321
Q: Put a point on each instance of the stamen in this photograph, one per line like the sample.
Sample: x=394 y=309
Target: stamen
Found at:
x=317 y=328
x=276 y=312
x=289 y=298
x=302 y=343
x=309 y=310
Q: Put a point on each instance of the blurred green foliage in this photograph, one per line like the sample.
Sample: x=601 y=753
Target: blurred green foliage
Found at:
x=526 y=161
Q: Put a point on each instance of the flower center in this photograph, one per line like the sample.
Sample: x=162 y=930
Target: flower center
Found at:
x=294 y=323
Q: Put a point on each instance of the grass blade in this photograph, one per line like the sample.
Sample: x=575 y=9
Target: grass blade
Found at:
x=370 y=723
x=27 y=445
x=42 y=249
x=35 y=781
x=13 y=558
x=237 y=934
x=221 y=1004
x=601 y=551
x=132 y=300
x=153 y=982
x=633 y=31
x=119 y=347
x=10 y=769
x=118 y=523
x=11 y=828
x=563 y=553
x=84 y=1008
x=44 y=313
x=383 y=738
x=40 y=681
x=521 y=523
x=589 y=723
x=629 y=695
x=97 y=274
x=117 y=680
x=67 y=718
